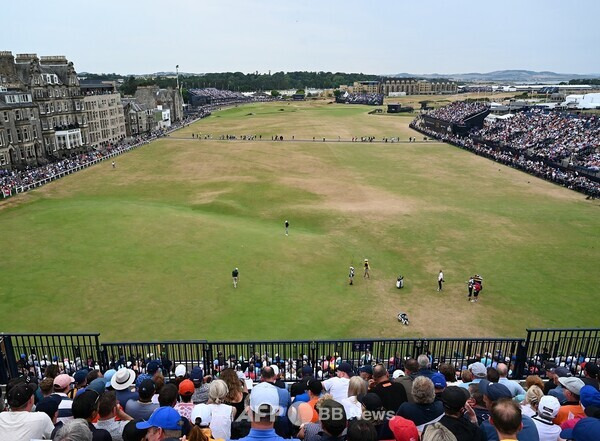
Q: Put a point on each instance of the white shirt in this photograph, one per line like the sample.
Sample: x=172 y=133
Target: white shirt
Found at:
x=338 y=387
x=546 y=429
x=352 y=407
x=25 y=426
x=221 y=418
x=527 y=410
x=441 y=276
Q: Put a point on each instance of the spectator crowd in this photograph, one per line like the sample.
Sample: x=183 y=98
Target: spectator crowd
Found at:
x=371 y=99
x=549 y=145
x=458 y=111
x=551 y=135
x=363 y=399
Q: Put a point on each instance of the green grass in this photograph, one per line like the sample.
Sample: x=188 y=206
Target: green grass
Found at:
x=146 y=251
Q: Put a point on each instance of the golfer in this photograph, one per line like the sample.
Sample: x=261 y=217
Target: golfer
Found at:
x=440 y=280
x=351 y=275
x=113 y=164
x=287 y=227
x=367 y=268
x=470 y=285
x=235 y=275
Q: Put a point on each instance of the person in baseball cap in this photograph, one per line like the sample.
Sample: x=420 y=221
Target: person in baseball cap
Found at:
x=591 y=373
x=185 y=406
x=366 y=372
x=439 y=383
x=403 y=429
x=547 y=410
x=338 y=385
x=572 y=408
x=455 y=400
x=264 y=400
x=586 y=429
x=164 y=423
x=20 y=423
x=495 y=393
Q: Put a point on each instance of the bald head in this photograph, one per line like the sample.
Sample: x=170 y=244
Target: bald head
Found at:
x=502 y=370
x=379 y=372
x=505 y=416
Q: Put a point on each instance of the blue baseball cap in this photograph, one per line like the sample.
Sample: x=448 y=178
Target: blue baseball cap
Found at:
x=164 y=417
x=108 y=375
x=80 y=375
x=152 y=367
x=494 y=391
x=196 y=374
x=140 y=378
x=366 y=368
x=439 y=381
x=98 y=385
x=589 y=396
x=586 y=429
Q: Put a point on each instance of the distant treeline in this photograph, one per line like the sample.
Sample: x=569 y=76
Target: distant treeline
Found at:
x=592 y=81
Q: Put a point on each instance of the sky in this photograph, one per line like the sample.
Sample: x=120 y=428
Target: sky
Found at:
x=375 y=37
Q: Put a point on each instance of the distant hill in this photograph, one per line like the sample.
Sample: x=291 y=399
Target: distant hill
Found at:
x=513 y=76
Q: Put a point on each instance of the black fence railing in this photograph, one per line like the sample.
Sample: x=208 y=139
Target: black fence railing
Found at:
x=32 y=352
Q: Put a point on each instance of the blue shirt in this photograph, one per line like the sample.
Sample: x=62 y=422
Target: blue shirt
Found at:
x=263 y=434
x=514 y=387
x=528 y=432
x=302 y=398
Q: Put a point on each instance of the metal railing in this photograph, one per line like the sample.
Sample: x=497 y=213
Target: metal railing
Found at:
x=32 y=352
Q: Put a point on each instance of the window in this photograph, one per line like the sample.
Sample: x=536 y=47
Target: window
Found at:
x=34 y=132
x=25 y=135
x=19 y=139
x=10 y=138
x=18 y=115
x=1 y=139
x=5 y=116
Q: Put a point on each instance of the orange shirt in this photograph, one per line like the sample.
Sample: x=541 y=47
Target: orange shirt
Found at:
x=312 y=403
x=568 y=412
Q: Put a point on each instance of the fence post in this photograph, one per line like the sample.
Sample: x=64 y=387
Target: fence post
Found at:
x=208 y=357
x=11 y=360
x=521 y=360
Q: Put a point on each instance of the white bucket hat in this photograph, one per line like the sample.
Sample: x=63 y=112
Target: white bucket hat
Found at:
x=122 y=379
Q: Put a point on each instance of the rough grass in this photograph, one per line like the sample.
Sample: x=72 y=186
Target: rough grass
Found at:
x=145 y=251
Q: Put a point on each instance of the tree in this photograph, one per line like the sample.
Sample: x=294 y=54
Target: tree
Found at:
x=300 y=92
x=275 y=93
x=337 y=93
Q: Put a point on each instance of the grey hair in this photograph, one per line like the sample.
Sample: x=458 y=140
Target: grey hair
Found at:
x=423 y=361
x=75 y=430
x=437 y=432
x=217 y=391
x=423 y=390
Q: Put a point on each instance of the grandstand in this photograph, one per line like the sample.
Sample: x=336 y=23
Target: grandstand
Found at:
x=369 y=99
x=213 y=96
x=557 y=146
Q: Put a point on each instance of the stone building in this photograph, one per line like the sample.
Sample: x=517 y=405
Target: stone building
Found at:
x=152 y=97
x=54 y=88
x=411 y=86
x=366 y=87
x=104 y=111
x=139 y=119
x=20 y=130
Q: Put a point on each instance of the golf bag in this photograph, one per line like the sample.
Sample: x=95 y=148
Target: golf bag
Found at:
x=400 y=282
x=403 y=318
